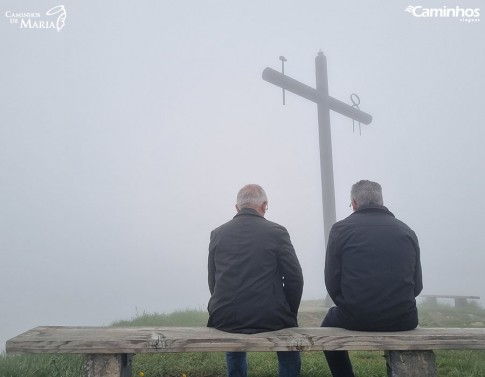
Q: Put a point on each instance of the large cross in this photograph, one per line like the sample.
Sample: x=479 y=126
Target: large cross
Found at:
x=325 y=103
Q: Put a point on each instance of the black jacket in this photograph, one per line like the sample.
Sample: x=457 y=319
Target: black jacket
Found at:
x=255 y=278
x=373 y=271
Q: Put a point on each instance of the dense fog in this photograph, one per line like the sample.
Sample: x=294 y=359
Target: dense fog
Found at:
x=127 y=129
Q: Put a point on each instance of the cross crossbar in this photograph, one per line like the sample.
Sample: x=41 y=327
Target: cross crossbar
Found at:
x=276 y=78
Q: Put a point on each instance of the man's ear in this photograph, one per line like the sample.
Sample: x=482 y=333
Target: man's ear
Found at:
x=354 y=205
x=237 y=208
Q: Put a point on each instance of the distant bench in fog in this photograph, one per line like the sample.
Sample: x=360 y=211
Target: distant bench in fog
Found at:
x=460 y=301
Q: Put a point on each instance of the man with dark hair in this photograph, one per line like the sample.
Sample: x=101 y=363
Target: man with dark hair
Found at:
x=372 y=272
x=255 y=279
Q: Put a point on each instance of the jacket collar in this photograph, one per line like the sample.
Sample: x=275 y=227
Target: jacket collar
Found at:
x=374 y=208
x=248 y=211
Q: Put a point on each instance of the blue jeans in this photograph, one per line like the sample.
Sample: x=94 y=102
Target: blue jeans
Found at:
x=289 y=364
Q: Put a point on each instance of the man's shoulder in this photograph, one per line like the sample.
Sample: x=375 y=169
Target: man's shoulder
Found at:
x=223 y=226
x=246 y=218
x=276 y=228
x=348 y=221
x=367 y=215
x=250 y=219
x=372 y=218
x=263 y=223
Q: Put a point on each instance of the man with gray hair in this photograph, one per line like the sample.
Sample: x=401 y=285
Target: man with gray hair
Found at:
x=255 y=279
x=372 y=272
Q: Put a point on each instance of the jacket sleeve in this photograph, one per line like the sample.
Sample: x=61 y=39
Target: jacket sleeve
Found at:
x=333 y=268
x=211 y=266
x=291 y=271
x=418 y=275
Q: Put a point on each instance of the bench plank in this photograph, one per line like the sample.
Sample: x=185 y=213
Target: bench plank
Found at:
x=134 y=340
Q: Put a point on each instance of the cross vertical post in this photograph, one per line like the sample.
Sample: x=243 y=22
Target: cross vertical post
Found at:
x=325 y=143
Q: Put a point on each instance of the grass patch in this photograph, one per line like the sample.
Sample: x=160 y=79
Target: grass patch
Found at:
x=442 y=315
x=41 y=366
x=460 y=363
x=189 y=317
x=191 y=364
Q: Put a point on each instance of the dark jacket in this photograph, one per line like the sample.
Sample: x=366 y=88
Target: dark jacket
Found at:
x=255 y=279
x=373 y=271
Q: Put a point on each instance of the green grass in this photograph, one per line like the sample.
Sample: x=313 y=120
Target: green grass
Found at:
x=41 y=366
x=461 y=363
x=439 y=315
x=182 y=318
x=261 y=364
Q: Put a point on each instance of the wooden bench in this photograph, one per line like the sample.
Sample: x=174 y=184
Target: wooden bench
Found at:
x=460 y=301
x=109 y=350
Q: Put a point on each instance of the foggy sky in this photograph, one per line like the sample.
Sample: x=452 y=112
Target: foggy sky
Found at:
x=125 y=137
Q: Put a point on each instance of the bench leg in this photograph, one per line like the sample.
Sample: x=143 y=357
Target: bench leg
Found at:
x=107 y=365
x=410 y=364
x=431 y=300
x=460 y=302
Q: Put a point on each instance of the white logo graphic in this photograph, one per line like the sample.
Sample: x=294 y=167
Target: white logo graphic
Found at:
x=410 y=9
x=61 y=19
x=35 y=20
x=463 y=14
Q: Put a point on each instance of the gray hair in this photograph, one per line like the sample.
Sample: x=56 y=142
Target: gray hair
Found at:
x=366 y=192
x=251 y=196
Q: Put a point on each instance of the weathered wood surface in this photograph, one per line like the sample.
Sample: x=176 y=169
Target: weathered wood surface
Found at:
x=133 y=340
x=108 y=365
x=411 y=364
